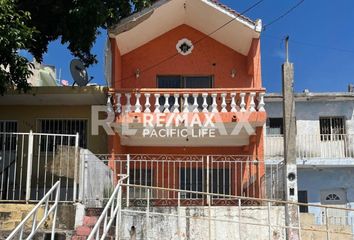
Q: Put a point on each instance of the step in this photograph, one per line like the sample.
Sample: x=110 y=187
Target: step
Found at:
x=83 y=231
x=90 y=221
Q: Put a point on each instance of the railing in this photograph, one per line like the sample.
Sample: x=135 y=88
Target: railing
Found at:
x=220 y=174
x=31 y=163
x=111 y=214
x=19 y=231
x=191 y=100
x=319 y=146
x=264 y=220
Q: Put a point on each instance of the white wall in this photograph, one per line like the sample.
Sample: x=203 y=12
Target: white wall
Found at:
x=308 y=113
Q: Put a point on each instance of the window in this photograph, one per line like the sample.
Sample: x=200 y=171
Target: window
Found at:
x=177 y=81
x=141 y=176
x=8 y=126
x=65 y=126
x=334 y=196
x=194 y=179
x=274 y=126
x=331 y=128
x=303 y=199
x=7 y=140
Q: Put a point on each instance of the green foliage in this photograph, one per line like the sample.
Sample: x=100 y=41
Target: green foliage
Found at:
x=14 y=35
x=32 y=24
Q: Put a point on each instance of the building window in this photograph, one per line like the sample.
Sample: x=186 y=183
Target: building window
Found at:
x=303 y=199
x=8 y=140
x=332 y=128
x=65 y=126
x=194 y=179
x=178 y=81
x=275 y=126
x=184 y=46
x=333 y=196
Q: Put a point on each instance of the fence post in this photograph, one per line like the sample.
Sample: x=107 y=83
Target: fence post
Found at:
x=148 y=213
x=209 y=216
x=29 y=166
x=179 y=215
x=327 y=223
x=208 y=178
x=128 y=179
x=76 y=162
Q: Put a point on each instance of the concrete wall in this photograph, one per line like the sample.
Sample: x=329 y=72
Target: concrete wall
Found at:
x=27 y=116
x=194 y=224
x=166 y=227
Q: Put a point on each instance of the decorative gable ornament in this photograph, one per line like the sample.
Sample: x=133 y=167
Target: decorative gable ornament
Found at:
x=184 y=47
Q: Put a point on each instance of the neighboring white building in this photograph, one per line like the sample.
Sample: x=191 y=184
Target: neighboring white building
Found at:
x=325 y=148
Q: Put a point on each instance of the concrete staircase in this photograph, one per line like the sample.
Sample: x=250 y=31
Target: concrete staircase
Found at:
x=89 y=221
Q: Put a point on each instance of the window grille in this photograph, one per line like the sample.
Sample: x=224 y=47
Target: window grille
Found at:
x=65 y=126
x=332 y=128
x=7 y=141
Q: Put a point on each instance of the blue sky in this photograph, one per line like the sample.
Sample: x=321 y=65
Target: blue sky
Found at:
x=321 y=44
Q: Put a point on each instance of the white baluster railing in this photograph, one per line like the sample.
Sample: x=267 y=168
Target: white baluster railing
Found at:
x=157 y=104
x=223 y=101
x=176 y=104
x=147 y=103
x=166 y=105
x=137 y=103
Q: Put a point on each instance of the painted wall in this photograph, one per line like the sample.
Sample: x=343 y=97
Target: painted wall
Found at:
x=308 y=114
x=208 y=57
x=317 y=179
x=27 y=117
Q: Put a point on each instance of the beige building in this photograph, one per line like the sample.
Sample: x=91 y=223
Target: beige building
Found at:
x=64 y=110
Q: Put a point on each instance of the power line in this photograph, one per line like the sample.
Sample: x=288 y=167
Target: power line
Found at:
x=201 y=39
x=283 y=15
x=309 y=44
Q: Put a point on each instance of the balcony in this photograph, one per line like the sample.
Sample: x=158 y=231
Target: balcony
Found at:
x=316 y=149
x=219 y=107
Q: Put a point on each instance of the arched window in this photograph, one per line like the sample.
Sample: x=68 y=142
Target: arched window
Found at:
x=332 y=197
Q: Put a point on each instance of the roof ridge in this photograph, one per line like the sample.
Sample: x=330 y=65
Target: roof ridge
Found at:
x=232 y=11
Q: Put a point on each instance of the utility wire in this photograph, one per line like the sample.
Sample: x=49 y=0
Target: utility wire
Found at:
x=199 y=40
x=309 y=44
x=283 y=15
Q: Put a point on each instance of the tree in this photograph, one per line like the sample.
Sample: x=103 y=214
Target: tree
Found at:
x=32 y=24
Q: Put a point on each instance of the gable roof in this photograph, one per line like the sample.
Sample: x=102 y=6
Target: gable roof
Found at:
x=203 y=15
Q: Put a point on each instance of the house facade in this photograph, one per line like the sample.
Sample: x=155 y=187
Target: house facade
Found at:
x=324 y=148
x=169 y=65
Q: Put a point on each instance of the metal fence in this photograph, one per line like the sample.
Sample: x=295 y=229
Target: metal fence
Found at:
x=31 y=163
x=219 y=174
x=319 y=146
x=266 y=219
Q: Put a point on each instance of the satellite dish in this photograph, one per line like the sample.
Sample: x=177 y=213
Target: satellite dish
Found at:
x=79 y=73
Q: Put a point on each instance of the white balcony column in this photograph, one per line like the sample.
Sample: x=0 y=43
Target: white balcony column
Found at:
x=233 y=102
x=205 y=103
x=147 y=103
x=223 y=102
x=109 y=104
x=176 y=104
x=137 y=103
x=195 y=103
x=157 y=104
x=128 y=106
x=261 y=102
x=118 y=104
x=185 y=104
x=243 y=103
x=252 y=104
x=214 y=106
x=167 y=105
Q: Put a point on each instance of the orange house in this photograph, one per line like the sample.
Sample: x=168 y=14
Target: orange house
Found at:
x=187 y=93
